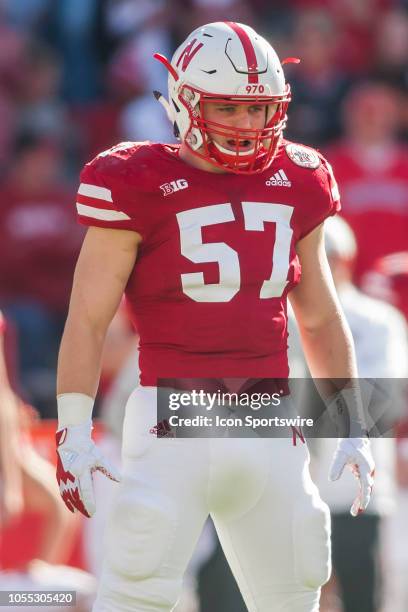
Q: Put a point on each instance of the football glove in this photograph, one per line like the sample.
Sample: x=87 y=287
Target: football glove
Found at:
x=78 y=458
x=356 y=454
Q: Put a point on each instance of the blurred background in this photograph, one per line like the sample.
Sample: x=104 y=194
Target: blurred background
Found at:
x=76 y=77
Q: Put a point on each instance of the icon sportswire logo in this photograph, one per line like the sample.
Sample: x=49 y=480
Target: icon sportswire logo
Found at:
x=279 y=179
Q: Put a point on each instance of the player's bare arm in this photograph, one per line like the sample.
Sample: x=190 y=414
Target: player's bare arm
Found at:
x=329 y=350
x=106 y=260
x=104 y=265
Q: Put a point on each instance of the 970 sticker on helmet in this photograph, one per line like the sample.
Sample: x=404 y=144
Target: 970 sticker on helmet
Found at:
x=303 y=156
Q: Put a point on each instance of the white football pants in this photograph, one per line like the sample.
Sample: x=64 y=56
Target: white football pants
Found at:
x=271 y=522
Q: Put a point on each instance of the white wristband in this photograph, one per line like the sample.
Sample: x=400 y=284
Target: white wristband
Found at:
x=74 y=409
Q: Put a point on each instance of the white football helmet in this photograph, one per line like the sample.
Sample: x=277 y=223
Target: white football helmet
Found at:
x=226 y=60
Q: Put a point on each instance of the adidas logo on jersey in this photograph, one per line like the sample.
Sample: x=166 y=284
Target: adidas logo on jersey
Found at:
x=173 y=186
x=279 y=179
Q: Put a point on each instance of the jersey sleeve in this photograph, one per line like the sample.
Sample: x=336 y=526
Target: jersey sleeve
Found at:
x=103 y=196
x=323 y=197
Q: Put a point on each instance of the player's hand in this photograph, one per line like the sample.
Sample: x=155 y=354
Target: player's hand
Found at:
x=78 y=458
x=356 y=454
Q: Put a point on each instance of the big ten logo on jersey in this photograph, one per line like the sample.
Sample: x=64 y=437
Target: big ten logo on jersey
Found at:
x=173 y=186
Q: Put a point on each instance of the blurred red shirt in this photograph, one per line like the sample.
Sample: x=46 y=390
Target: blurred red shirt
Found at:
x=39 y=244
x=374 y=202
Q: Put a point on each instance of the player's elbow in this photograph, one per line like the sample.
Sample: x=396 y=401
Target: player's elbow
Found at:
x=318 y=324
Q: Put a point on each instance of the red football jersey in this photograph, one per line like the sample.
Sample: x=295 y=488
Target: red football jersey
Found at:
x=217 y=258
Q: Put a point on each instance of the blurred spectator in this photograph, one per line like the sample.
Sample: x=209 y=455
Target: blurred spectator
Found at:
x=391 y=56
x=128 y=17
x=143 y=28
x=391 y=50
x=76 y=29
x=356 y=23
x=41 y=112
x=7 y=120
x=145 y=119
x=382 y=351
x=318 y=85
x=388 y=280
x=139 y=28
x=133 y=31
x=371 y=167
x=12 y=55
x=39 y=245
x=24 y=16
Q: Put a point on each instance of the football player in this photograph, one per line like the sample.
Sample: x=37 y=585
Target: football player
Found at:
x=207 y=239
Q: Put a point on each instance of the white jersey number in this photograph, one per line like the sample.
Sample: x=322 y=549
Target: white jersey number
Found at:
x=256 y=214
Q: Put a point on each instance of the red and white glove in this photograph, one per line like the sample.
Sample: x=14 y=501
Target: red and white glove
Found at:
x=356 y=454
x=78 y=456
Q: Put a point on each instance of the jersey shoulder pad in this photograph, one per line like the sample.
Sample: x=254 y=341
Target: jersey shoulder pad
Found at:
x=319 y=191
x=303 y=156
x=103 y=194
x=116 y=160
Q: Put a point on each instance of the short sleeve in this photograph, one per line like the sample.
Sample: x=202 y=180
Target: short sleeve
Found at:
x=102 y=196
x=323 y=196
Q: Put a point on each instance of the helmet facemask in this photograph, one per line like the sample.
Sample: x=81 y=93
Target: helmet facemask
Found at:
x=250 y=150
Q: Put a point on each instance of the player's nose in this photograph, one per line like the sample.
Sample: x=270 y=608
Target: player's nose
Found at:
x=243 y=119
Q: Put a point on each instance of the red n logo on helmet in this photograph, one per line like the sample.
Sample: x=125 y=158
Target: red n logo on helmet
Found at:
x=188 y=53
